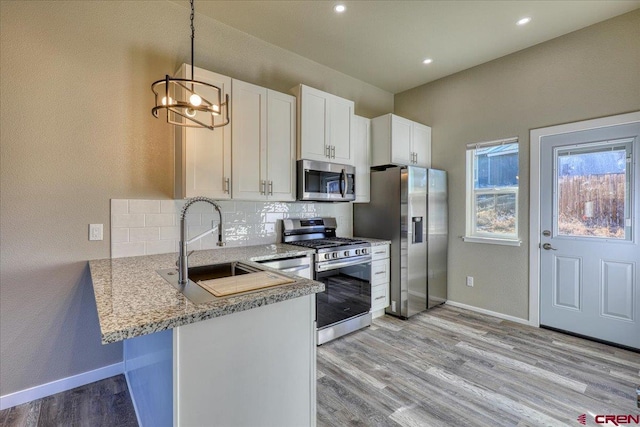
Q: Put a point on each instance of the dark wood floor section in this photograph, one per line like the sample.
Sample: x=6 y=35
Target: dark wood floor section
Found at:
x=452 y=367
x=445 y=367
x=105 y=403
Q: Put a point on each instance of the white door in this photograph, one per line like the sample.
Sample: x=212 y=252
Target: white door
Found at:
x=589 y=220
x=341 y=130
x=281 y=147
x=421 y=144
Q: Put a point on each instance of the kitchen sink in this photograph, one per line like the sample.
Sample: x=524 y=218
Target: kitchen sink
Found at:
x=192 y=290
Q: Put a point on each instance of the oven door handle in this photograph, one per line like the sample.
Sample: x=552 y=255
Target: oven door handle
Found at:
x=343 y=182
x=332 y=265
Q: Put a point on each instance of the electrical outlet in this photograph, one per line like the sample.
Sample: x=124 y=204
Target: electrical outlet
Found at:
x=470 y=281
x=95 y=232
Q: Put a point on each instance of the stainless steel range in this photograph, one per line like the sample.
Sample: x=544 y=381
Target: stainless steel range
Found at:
x=344 y=266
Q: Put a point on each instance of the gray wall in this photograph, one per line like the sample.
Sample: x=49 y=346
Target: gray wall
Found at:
x=590 y=73
x=77 y=131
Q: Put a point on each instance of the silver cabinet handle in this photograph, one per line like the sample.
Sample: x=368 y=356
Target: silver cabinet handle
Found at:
x=547 y=246
x=227 y=185
x=263 y=184
x=333 y=151
x=380 y=297
x=327 y=151
x=379 y=272
x=416 y=156
x=271 y=188
x=379 y=252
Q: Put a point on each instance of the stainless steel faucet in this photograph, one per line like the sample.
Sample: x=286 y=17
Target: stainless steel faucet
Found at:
x=183 y=258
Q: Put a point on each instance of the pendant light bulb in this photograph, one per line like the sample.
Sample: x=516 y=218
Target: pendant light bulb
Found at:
x=164 y=100
x=216 y=110
x=190 y=112
x=195 y=100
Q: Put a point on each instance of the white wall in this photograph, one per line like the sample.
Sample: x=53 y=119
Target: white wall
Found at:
x=590 y=73
x=76 y=132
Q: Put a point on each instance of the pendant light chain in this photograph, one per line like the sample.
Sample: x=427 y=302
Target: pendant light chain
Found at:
x=193 y=37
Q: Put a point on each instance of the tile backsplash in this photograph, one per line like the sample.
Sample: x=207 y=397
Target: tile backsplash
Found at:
x=147 y=227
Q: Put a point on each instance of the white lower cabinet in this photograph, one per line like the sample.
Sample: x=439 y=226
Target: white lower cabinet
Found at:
x=252 y=368
x=263 y=143
x=380 y=275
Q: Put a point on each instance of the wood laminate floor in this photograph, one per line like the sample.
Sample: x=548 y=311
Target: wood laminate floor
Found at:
x=105 y=403
x=445 y=367
x=453 y=367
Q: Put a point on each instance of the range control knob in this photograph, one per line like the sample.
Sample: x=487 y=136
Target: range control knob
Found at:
x=326 y=256
x=334 y=255
x=346 y=253
x=365 y=251
x=358 y=251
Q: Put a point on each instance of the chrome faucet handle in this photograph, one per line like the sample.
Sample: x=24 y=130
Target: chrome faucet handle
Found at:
x=188 y=255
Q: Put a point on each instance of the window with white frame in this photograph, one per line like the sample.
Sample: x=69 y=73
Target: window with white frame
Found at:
x=492 y=192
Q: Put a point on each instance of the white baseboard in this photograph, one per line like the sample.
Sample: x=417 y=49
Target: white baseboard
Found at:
x=64 y=384
x=490 y=313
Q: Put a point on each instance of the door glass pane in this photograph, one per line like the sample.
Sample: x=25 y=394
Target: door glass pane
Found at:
x=592 y=191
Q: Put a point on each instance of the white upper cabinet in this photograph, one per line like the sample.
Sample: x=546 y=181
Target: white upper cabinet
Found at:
x=203 y=156
x=263 y=131
x=325 y=126
x=399 y=141
x=362 y=152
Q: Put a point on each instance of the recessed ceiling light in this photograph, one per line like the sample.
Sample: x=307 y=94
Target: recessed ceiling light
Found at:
x=524 y=21
x=339 y=8
x=427 y=61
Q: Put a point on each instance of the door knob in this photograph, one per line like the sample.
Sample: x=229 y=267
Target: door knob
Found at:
x=547 y=246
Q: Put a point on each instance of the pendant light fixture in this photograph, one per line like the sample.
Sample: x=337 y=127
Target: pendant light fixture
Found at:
x=184 y=100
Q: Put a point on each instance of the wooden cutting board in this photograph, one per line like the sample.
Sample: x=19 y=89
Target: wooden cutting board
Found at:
x=243 y=283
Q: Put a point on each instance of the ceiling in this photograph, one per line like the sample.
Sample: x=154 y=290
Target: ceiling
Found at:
x=384 y=42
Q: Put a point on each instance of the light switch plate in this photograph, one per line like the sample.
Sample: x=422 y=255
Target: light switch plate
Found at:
x=95 y=232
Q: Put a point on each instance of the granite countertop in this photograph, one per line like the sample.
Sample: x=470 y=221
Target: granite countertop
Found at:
x=133 y=300
x=374 y=242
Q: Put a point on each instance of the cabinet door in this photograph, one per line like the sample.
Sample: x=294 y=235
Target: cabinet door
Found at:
x=421 y=144
x=281 y=155
x=362 y=157
x=400 y=140
x=249 y=132
x=203 y=156
x=314 y=115
x=341 y=130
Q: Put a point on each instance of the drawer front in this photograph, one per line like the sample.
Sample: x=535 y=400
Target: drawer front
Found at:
x=379 y=297
x=379 y=252
x=379 y=272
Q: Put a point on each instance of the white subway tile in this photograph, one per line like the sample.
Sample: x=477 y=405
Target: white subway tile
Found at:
x=144 y=234
x=200 y=207
x=119 y=250
x=192 y=219
x=119 y=206
x=119 y=235
x=273 y=217
x=144 y=206
x=159 y=220
x=207 y=219
x=169 y=233
x=227 y=206
x=160 y=247
x=245 y=206
x=232 y=217
x=255 y=218
x=171 y=206
x=265 y=229
x=127 y=220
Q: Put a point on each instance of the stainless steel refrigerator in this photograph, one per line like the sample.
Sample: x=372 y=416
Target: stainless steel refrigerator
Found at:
x=409 y=207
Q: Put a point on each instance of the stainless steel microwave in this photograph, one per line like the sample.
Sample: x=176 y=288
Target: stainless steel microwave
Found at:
x=326 y=182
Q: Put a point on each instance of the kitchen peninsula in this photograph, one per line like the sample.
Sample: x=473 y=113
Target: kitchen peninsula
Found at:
x=245 y=359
